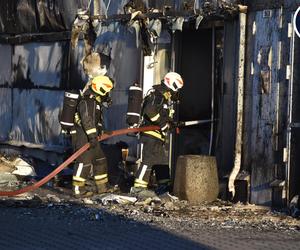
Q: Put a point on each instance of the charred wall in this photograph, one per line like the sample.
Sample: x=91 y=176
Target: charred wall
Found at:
x=227 y=123
x=34 y=16
x=266 y=99
x=37 y=66
x=257 y=5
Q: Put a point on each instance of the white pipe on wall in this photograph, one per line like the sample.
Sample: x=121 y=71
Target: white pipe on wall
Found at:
x=240 y=104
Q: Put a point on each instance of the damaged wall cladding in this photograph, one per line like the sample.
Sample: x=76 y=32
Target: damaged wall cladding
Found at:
x=35 y=74
x=40 y=67
x=32 y=16
x=31 y=94
x=114 y=7
x=266 y=98
x=33 y=80
x=118 y=43
x=263 y=92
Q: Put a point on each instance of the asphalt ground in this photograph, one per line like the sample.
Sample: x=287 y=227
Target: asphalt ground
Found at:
x=73 y=226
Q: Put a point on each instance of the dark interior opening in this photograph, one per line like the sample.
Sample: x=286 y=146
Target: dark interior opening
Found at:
x=199 y=55
x=195 y=65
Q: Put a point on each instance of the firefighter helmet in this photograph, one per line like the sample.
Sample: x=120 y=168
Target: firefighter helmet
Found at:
x=101 y=85
x=173 y=81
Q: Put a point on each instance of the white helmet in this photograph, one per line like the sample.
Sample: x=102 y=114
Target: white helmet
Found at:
x=173 y=81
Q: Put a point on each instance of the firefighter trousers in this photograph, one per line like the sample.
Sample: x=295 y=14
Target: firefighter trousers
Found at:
x=92 y=163
x=154 y=158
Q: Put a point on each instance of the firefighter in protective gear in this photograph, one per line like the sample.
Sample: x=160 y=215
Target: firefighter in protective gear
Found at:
x=88 y=125
x=157 y=109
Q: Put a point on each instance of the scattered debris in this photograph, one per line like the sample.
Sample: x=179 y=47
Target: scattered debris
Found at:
x=88 y=201
x=13 y=172
x=8 y=180
x=25 y=200
x=165 y=210
x=113 y=198
x=294 y=207
x=23 y=168
x=53 y=198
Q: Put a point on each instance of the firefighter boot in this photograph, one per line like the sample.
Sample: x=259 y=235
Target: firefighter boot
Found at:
x=141 y=191
x=102 y=185
x=140 y=188
x=80 y=191
x=79 y=181
x=103 y=188
x=101 y=176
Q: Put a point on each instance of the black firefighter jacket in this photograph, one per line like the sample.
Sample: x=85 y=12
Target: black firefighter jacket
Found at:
x=156 y=110
x=90 y=115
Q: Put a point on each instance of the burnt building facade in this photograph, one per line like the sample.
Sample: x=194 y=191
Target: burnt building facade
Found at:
x=238 y=60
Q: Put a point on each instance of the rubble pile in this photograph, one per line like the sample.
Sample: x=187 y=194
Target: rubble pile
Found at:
x=15 y=173
x=165 y=211
x=7 y=178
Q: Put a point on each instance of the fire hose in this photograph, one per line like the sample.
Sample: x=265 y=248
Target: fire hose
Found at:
x=84 y=148
x=72 y=158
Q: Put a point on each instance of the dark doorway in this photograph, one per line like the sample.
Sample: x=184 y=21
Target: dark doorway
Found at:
x=194 y=61
x=199 y=56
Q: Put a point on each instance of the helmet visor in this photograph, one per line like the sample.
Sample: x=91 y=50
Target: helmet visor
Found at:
x=102 y=91
x=175 y=86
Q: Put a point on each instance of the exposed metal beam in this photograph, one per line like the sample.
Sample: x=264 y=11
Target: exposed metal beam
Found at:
x=36 y=37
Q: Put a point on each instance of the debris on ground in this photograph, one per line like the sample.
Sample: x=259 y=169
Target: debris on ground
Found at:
x=8 y=180
x=23 y=168
x=105 y=199
x=294 y=206
x=15 y=173
x=163 y=210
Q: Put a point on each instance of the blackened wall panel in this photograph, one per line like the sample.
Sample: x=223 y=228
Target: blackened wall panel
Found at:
x=35 y=119
x=119 y=44
x=30 y=16
x=6 y=65
x=74 y=75
x=264 y=95
x=255 y=5
x=5 y=113
x=227 y=120
x=39 y=64
x=247 y=156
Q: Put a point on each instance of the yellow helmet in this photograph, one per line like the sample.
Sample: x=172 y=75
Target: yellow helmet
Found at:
x=101 y=85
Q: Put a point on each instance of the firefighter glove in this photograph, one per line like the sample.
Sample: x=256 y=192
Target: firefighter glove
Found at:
x=106 y=101
x=172 y=125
